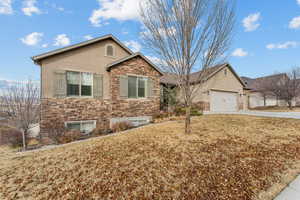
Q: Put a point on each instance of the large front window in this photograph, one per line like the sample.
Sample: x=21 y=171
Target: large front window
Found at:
x=136 y=87
x=79 y=84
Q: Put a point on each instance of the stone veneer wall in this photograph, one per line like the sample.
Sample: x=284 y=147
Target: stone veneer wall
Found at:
x=123 y=107
x=54 y=112
x=57 y=111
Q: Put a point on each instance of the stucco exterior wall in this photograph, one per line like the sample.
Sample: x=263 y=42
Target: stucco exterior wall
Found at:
x=221 y=82
x=90 y=58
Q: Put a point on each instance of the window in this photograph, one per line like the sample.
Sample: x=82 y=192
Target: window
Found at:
x=79 y=84
x=85 y=127
x=109 y=50
x=225 y=72
x=136 y=87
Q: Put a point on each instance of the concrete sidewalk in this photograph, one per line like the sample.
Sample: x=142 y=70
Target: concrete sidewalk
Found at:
x=291 y=192
x=292 y=115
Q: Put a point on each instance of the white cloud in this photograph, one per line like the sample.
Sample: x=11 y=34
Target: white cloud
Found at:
x=251 y=22
x=298 y=1
x=295 y=23
x=285 y=45
x=59 y=8
x=88 y=37
x=5 y=7
x=115 y=9
x=32 y=39
x=29 y=7
x=239 y=52
x=62 y=40
x=45 y=45
x=133 y=45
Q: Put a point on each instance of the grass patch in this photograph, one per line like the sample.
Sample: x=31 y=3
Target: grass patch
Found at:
x=225 y=157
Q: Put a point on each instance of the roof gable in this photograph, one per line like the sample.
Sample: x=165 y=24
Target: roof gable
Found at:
x=115 y=64
x=170 y=78
x=40 y=57
x=254 y=83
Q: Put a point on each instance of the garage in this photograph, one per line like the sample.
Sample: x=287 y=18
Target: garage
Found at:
x=221 y=101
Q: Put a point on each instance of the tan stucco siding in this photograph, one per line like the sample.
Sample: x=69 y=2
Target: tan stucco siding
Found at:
x=90 y=58
x=219 y=81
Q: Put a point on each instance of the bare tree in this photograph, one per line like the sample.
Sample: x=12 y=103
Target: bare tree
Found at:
x=22 y=105
x=268 y=86
x=291 y=86
x=189 y=36
x=285 y=86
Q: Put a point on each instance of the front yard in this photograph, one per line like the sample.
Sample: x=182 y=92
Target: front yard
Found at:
x=278 y=109
x=226 y=157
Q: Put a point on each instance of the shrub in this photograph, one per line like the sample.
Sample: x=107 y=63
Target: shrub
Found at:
x=121 y=126
x=180 y=111
x=69 y=136
x=99 y=132
x=161 y=115
x=59 y=134
x=56 y=132
x=12 y=137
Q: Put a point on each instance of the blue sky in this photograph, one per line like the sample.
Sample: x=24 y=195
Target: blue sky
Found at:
x=266 y=40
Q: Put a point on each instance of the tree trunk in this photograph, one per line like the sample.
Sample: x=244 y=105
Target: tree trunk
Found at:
x=290 y=104
x=188 y=119
x=24 y=140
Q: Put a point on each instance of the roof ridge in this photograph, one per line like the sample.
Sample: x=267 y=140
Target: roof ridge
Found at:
x=110 y=65
x=78 y=45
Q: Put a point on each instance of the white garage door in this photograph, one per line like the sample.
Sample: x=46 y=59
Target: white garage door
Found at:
x=223 y=101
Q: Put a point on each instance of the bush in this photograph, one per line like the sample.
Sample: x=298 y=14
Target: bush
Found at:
x=121 y=126
x=161 y=115
x=180 y=111
x=56 y=132
x=69 y=136
x=12 y=137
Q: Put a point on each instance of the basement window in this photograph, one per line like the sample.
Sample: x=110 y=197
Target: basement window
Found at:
x=85 y=127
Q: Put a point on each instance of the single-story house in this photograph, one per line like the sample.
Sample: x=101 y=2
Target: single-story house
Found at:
x=222 y=90
x=259 y=94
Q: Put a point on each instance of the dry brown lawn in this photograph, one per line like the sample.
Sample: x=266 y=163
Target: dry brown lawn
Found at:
x=226 y=157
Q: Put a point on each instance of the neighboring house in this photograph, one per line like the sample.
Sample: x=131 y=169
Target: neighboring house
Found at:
x=223 y=90
x=97 y=83
x=259 y=94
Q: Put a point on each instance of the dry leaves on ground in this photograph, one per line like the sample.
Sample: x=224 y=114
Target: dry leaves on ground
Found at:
x=226 y=157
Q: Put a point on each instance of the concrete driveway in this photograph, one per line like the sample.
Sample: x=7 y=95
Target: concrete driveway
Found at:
x=292 y=115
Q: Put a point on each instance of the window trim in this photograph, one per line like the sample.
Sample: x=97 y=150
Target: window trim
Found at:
x=105 y=50
x=137 y=88
x=80 y=84
x=81 y=122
